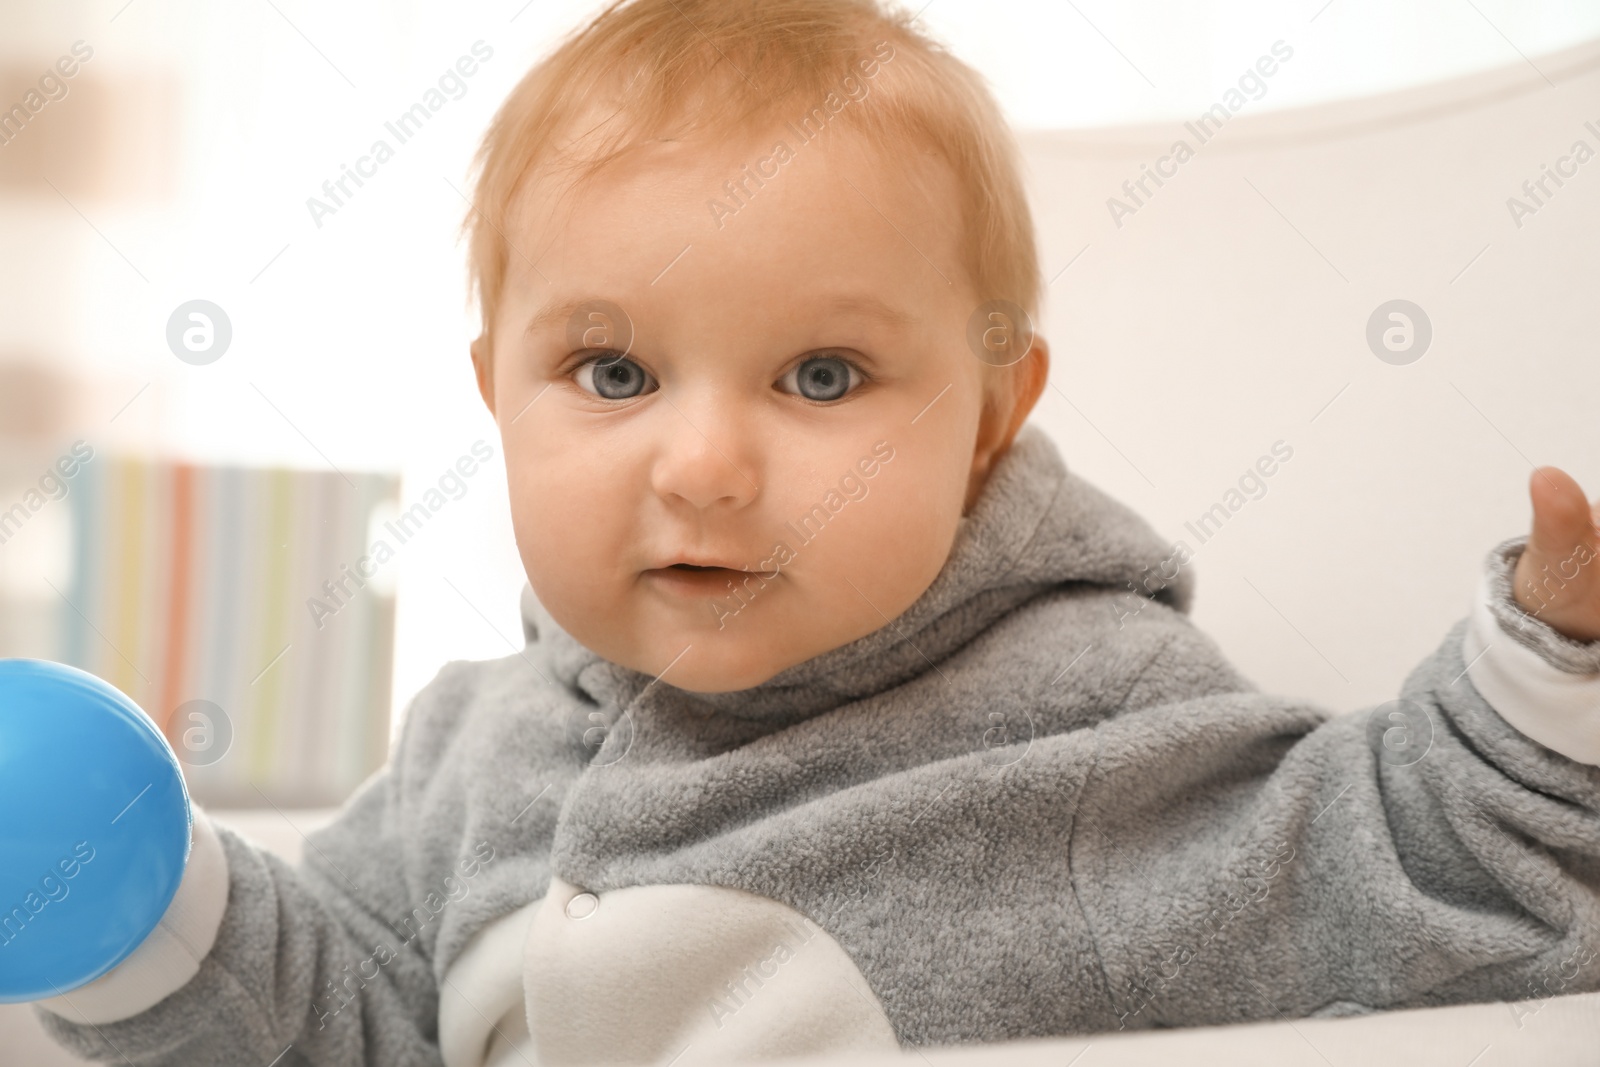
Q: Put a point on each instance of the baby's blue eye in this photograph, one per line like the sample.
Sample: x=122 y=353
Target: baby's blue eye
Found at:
x=822 y=378
x=612 y=376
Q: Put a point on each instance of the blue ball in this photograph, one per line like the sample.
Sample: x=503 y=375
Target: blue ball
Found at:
x=94 y=828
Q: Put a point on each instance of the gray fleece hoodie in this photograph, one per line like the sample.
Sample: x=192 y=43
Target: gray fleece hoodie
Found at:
x=1036 y=803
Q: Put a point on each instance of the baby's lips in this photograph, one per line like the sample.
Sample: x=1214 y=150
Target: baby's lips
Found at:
x=691 y=559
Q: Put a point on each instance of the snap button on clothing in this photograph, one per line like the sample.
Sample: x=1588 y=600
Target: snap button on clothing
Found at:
x=582 y=906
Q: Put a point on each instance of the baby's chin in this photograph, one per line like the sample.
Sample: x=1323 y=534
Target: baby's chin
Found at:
x=704 y=659
x=717 y=662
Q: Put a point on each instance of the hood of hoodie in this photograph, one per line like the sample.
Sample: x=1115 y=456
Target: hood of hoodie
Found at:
x=1036 y=526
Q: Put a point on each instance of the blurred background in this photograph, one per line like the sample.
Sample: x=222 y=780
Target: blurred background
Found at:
x=232 y=461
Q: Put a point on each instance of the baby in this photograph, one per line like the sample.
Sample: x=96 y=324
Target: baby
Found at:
x=833 y=729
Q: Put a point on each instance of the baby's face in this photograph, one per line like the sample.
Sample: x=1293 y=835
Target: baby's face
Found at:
x=787 y=400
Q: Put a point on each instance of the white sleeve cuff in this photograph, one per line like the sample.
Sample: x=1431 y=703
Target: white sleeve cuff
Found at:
x=1559 y=709
x=170 y=956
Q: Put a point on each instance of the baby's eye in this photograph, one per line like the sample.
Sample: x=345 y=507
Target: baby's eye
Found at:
x=821 y=378
x=613 y=376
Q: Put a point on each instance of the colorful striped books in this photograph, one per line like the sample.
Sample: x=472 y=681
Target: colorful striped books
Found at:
x=190 y=593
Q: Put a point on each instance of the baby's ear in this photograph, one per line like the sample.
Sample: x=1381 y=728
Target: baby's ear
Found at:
x=484 y=369
x=1004 y=412
x=1034 y=375
x=1014 y=400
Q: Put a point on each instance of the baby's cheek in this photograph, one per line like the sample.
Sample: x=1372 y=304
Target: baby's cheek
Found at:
x=904 y=532
x=542 y=518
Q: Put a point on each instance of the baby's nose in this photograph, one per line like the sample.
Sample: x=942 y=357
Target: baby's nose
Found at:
x=704 y=461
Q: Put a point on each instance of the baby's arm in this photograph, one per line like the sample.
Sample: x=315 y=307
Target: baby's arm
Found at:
x=1241 y=856
x=256 y=962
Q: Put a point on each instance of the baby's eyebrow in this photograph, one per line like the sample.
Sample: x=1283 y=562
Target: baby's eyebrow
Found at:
x=551 y=314
x=869 y=306
x=863 y=304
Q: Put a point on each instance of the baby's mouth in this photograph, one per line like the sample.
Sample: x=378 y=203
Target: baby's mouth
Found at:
x=693 y=580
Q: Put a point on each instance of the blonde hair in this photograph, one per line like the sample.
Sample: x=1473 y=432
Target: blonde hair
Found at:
x=650 y=67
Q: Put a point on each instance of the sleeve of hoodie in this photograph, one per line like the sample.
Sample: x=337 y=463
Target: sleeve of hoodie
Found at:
x=1241 y=856
x=256 y=962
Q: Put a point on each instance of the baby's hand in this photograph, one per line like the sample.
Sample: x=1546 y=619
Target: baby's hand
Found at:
x=1558 y=576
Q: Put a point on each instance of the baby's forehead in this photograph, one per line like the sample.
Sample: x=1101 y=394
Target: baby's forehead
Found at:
x=721 y=174
x=865 y=227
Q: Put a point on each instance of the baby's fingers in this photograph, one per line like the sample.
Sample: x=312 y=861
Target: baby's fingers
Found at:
x=1555 y=578
x=1562 y=516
